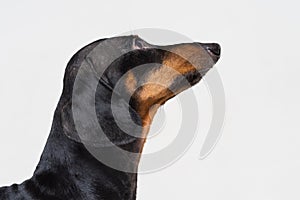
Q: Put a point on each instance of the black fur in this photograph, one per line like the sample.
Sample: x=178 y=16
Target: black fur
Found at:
x=66 y=169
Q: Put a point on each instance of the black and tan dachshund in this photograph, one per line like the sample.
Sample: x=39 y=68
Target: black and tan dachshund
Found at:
x=68 y=168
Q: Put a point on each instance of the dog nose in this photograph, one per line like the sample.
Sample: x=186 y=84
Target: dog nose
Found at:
x=213 y=49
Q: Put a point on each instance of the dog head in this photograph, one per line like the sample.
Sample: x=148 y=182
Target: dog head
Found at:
x=142 y=76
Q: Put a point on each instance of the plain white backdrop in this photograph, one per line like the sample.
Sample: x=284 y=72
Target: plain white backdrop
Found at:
x=258 y=156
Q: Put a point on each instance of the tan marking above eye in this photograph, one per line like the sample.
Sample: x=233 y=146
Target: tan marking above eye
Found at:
x=131 y=82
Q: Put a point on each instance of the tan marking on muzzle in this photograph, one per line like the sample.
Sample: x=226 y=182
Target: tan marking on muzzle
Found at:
x=156 y=89
x=177 y=62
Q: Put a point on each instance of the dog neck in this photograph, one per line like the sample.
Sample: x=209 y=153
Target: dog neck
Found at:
x=67 y=167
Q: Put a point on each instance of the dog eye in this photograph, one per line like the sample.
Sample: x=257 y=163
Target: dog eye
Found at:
x=138 y=44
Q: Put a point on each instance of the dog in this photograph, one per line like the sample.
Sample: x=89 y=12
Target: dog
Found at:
x=101 y=83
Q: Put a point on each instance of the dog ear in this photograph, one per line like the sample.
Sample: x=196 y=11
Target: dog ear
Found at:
x=102 y=131
x=86 y=108
x=67 y=121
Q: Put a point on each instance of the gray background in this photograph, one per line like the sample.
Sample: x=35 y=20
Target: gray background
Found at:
x=258 y=154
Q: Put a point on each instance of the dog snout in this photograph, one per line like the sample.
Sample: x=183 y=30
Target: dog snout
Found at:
x=213 y=49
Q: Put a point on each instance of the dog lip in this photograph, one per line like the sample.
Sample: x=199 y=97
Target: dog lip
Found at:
x=213 y=56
